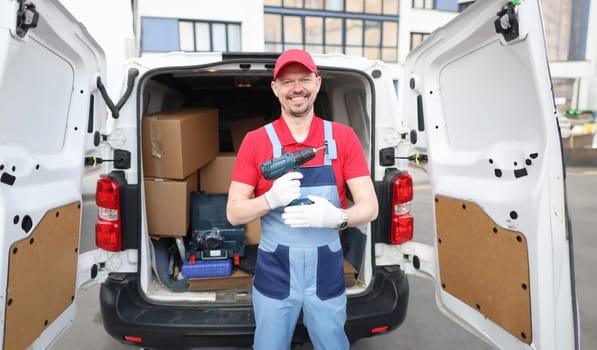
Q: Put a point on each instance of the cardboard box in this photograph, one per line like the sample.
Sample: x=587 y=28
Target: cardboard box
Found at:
x=214 y=177
x=238 y=280
x=175 y=144
x=253 y=232
x=350 y=274
x=167 y=205
x=239 y=128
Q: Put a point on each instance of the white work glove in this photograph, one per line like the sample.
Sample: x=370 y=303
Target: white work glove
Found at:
x=321 y=213
x=285 y=189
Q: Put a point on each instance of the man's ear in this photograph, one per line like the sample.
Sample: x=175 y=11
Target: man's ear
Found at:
x=274 y=89
x=318 y=83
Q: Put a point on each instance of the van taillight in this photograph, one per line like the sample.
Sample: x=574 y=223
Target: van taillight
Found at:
x=108 y=229
x=402 y=221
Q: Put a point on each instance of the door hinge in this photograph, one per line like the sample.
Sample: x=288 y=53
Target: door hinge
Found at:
x=27 y=18
x=507 y=22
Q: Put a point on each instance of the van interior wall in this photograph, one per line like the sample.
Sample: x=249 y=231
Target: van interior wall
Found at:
x=342 y=98
x=345 y=99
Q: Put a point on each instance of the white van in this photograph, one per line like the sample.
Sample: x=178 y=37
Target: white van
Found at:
x=475 y=110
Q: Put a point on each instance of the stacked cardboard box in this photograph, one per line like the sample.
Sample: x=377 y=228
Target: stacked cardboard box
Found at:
x=239 y=128
x=167 y=204
x=175 y=145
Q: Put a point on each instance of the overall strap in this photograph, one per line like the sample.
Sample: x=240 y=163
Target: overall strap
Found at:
x=330 y=154
x=277 y=146
x=330 y=143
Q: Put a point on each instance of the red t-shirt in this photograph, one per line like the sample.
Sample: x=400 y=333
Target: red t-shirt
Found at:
x=256 y=149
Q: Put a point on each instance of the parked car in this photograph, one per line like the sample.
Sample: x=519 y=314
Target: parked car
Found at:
x=475 y=110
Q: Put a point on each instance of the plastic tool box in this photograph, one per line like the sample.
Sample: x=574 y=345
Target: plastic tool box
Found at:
x=208 y=212
x=206 y=268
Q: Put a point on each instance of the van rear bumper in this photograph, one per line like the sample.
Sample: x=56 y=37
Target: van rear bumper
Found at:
x=126 y=313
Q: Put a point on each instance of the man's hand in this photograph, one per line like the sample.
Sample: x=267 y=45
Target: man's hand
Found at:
x=321 y=213
x=284 y=190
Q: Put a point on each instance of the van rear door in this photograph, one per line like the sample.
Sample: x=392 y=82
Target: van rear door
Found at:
x=50 y=118
x=477 y=95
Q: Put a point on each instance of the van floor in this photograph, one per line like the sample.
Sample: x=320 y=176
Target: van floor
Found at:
x=159 y=292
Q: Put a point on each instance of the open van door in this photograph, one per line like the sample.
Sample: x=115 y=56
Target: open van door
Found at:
x=50 y=117
x=478 y=99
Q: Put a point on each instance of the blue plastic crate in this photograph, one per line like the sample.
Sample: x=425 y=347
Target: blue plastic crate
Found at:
x=207 y=268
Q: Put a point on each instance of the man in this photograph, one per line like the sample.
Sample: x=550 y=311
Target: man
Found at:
x=300 y=264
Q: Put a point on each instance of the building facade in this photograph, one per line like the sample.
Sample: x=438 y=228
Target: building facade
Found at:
x=378 y=29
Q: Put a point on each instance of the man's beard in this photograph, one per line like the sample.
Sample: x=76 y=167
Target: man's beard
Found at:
x=295 y=112
x=299 y=111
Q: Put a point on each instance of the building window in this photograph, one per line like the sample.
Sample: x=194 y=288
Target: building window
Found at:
x=293 y=3
x=373 y=34
x=391 y=7
x=202 y=37
x=334 y=31
x=293 y=30
x=273 y=28
x=334 y=5
x=389 y=52
x=354 y=6
x=314 y=34
x=314 y=4
x=417 y=38
x=373 y=7
x=373 y=39
x=171 y=34
x=423 y=4
x=566 y=25
x=159 y=34
x=441 y=5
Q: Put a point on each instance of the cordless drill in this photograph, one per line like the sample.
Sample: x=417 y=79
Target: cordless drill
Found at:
x=274 y=168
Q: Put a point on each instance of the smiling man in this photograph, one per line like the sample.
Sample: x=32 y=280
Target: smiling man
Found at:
x=300 y=263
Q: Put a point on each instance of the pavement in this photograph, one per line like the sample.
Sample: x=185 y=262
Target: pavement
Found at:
x=581 y=157
x=425 y=327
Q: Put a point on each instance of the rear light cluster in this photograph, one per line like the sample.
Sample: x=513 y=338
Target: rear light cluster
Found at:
x=402 y=222
x=108 y=229
x=380 y=329
x=133 y=339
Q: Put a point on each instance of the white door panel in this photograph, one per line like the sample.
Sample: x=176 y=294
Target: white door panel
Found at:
x=479 y=99
x=48 y=124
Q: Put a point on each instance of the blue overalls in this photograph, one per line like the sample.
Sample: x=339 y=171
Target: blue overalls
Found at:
x=301 y=268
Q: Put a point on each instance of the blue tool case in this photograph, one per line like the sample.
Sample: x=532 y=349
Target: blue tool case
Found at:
x=206 y=268
x=208 y=214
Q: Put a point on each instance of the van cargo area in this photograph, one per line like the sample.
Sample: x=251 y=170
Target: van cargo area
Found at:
x=191 y=271
x=191 y=125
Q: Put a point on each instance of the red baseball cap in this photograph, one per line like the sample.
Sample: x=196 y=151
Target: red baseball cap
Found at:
x=294 y=56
